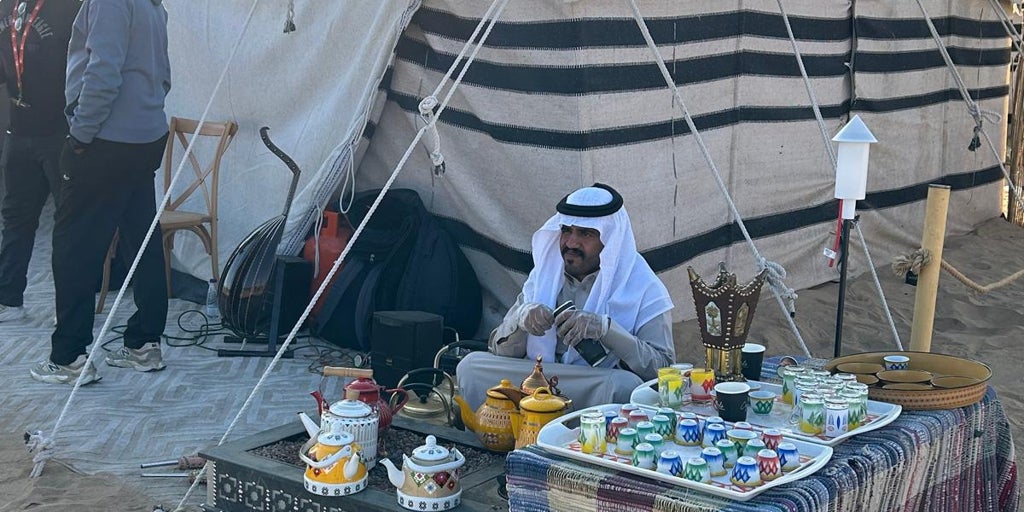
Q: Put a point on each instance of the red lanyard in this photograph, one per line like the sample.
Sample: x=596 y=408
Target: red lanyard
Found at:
x=19 y=48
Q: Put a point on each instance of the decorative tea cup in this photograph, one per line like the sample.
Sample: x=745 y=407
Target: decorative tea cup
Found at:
x=697 y=469
x=761 y=402
x=670 y=463
x=789 y=457
x=730 y=451
x=768 y=463
x=716 y=460
x=896 y=362
x=644 y=457
x=713 y=433
x=746 y=473
x=741 y=438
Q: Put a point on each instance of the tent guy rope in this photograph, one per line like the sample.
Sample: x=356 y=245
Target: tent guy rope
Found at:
x=973 y=108
x=48 y=442
x=919 y=258
x=834 y=159
x=355 y=236
x=776 y=272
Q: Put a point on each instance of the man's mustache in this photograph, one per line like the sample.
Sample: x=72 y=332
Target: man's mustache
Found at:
x=576 y=252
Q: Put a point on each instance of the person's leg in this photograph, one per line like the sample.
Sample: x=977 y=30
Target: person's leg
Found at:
x=92 y=196
x=26 y=191
x=149 y=283
x=49 y=158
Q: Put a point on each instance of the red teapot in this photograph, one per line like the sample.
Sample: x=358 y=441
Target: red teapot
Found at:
x=366 y=390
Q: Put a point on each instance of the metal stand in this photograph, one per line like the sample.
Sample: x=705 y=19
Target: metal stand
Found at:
x=844 y=246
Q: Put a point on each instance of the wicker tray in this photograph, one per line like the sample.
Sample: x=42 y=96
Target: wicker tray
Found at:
x=938 y=365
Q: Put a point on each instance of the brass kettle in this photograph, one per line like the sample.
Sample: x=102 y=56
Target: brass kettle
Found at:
x=492 y=421
x=427 y=401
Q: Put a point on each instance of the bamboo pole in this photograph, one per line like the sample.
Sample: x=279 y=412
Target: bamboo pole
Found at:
x=928 y=281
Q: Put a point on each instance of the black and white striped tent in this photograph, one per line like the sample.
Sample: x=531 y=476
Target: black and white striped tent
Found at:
x=567 y=93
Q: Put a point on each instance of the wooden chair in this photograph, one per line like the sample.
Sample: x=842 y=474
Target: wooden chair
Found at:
x=205 y=180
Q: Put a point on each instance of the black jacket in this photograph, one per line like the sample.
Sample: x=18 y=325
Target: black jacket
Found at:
x=46 y=53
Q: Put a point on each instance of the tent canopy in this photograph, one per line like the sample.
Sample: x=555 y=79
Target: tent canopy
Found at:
x=565 y=94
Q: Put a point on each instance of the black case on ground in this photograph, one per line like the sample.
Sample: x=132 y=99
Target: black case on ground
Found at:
x=401 y=341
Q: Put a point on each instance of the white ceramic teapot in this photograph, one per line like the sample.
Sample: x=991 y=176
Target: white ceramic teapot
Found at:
x=429 y=480
x=350 y=416
x=334 y=466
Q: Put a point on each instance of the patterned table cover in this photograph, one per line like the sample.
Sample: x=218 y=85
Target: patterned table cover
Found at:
x=951 y=460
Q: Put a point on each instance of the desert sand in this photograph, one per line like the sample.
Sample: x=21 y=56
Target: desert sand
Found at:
x=986 y=327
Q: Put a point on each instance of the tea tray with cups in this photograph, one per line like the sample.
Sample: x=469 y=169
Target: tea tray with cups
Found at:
x=879 y=414
x=562 y=436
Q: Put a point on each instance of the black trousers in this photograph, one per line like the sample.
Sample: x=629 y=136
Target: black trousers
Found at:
x=30 y=173
x=108 y=187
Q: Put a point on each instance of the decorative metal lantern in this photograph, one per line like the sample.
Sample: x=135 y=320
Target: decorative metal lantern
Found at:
x=724 y=313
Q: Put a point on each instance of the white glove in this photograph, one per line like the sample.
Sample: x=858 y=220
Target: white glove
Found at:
x=574 y=325
x=535 y=318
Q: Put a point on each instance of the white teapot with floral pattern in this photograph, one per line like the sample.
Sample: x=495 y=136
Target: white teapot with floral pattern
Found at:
x=429 y=480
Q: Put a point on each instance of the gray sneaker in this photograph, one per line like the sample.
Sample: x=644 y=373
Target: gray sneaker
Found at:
x=46 y=371
x=10 y=313
x=145 y=359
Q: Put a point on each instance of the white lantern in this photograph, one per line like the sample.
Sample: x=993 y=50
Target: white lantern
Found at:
x=855 y=141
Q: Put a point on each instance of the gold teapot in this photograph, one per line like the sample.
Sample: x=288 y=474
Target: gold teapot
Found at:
x=492 y=422
x=334 y=465
x=534 y=412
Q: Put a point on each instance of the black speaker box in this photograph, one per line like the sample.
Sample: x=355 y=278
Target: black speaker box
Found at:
x=401 y=341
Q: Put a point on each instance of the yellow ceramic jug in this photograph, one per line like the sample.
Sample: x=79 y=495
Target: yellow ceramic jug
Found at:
x=492 y=423
x=534 y=412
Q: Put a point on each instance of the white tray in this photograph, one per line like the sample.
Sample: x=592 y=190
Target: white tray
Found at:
x=560 y=436
x=879 y=413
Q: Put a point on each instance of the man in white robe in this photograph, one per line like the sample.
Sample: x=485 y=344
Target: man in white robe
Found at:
x=585 y=253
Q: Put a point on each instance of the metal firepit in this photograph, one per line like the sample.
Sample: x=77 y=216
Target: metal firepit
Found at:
x=239 y=480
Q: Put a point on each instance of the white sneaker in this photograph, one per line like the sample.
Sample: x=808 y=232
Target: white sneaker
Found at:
x=46 y=371
x=9 y=313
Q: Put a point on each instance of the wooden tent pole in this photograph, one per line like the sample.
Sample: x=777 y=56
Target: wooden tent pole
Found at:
x=928 y=281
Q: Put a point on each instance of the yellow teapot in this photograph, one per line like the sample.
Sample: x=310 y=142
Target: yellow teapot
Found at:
x=334 y=465
x=534 y=412
x=492 y=422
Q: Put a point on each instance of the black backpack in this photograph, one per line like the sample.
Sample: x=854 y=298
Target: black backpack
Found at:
x=403 y=260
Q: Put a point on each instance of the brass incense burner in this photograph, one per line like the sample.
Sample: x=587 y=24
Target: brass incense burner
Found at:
x=724 y=313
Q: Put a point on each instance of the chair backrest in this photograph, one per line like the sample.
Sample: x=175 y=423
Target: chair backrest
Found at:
x=205 y=178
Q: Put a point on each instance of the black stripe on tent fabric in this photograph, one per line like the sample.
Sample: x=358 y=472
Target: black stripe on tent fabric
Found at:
x=932 y=98
x=679 y=252
x=620 y=135
x=888 y=62
x=623 y=32
x=916 y=28
x=622 y=77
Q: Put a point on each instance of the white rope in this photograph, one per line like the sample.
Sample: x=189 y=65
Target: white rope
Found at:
x=972 y=107
x=1008 y=26
x=835 y=164
x=355 y=236
x=38 y=467
x=775 y=271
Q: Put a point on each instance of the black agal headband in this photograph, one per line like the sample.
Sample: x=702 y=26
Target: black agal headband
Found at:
x=600 y=210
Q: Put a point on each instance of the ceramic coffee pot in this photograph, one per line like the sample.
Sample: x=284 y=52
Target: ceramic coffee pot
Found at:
x=492 y=422
x=369 y=392
x=429 y=480
x=534 y=412
x=353 y=417
x=334 y=466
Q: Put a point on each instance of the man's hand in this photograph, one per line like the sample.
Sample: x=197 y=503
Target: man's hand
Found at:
x=535 y=318
x=77 y=147
x=574 y=325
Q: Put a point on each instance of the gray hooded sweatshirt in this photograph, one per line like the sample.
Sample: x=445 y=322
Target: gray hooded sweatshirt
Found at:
x=118 y=71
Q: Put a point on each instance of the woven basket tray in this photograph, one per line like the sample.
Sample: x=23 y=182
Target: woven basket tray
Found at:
x=938 y=365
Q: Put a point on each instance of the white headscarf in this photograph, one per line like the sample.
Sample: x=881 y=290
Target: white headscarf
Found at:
x=626 y=289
